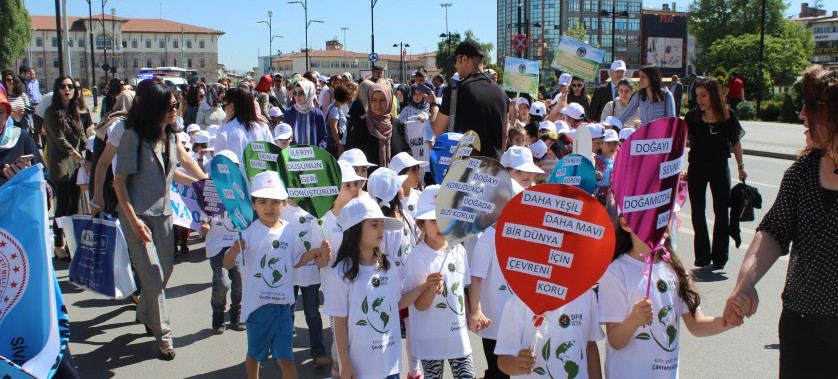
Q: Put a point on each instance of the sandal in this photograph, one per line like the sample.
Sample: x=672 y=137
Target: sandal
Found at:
x=167 y=354
x=61 y=254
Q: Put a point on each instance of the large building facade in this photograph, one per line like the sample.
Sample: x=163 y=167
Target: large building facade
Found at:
x=544 y=21
x=825 y=33
x=130 y=44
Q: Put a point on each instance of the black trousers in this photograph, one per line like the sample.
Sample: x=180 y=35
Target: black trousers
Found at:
x=492 y=371
x=808 y=346
x=67 y=195
x=717 y=174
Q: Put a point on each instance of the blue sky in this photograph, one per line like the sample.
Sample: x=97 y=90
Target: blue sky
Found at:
x=417 y=23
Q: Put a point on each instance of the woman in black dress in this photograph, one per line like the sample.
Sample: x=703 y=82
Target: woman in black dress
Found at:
x=714 y=132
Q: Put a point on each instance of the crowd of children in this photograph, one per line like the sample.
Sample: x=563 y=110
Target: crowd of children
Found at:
x=386 y=273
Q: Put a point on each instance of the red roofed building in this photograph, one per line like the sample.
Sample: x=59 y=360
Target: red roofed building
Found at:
x=131 y=43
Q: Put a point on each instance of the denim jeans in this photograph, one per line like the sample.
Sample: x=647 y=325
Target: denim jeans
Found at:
x=311 y=309
x=222 y=281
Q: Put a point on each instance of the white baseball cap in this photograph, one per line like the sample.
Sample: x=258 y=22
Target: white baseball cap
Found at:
x=618 y=66
x=610 y=136
x=547 y=125
x=364 y=208
x=182 y=137
x=522 y=100
x=201 y=137
x=565 y=79
x=267 y=185
x=229 y=154
x=275 y=112
x=613 y=122
x=404 y=160
x=193 y=128
x=574 y=111
x=519 y=158
x=625 y=133
x=596 y=130
x=383 y=185
x=556 y=98
x=456 y=76
x=347 y=173
x=356 y=158
x=427 y=203
x=538 y=109
x=213 y=130
x=562 y=127
x=539 y=148
x=282 y=131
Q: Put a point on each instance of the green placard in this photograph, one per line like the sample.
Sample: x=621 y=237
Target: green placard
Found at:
x=261 y=156
x=312 y=177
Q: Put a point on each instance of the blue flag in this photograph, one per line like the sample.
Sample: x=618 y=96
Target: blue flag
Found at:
x=29 y=313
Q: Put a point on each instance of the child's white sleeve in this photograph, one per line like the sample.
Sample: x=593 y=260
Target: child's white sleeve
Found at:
x=613 y=298
x=415 y=275
x=594 y=331
x=481 y=257
x=511 y=330
x=336 y=295
x=466 y=270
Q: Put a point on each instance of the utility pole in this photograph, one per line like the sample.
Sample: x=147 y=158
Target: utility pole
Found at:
x=344 y=45
x=447 y=31
x=308 y=23
x=372 y=24
x=519 y=23
x=113 y=41
x=92 y=83
x=58 y=30
x=105 y=40
x=269 y=23
x=401 y=47
x=761 y=56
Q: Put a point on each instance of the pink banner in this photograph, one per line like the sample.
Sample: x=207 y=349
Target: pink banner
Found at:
x=646 y=175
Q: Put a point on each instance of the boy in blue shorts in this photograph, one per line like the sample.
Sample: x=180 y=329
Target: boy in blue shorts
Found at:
x=268 y=279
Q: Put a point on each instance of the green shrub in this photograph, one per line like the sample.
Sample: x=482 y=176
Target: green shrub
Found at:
x=770 y=110
x=788 y=113
x=746 y=111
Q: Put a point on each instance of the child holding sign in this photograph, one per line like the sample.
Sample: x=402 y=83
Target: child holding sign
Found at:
x=643 y=332
x=362 y=293
x=405 y=164
x=268 y=278
x=438 y=317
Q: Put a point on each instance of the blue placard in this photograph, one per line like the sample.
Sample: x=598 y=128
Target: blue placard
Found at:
x=441 y=154
x=233 y=190
x=574 y=170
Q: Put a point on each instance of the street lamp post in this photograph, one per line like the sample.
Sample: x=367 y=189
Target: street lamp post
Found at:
x=113 y=38
x=105 y=40
x=269 y=23
x=372 y=25
x=304 y=4
x=447 y=32
x=613 y=14
x=401 y=46
x=344 y=45
x=92 y=83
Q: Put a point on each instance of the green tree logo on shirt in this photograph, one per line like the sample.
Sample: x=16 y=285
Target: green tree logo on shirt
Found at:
x=668 y=319
x=376 y=309
x=459 y=308
x=270 y=273
x=564 y=356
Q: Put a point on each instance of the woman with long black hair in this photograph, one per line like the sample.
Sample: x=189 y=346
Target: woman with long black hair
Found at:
x=714 y=132
x=579 y=93
x=243 y=126
x=653 y=100
x=114 y=89
x=64 y=144
x=147 y=165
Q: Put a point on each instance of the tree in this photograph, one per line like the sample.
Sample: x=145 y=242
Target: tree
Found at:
x=16 y=31
x=577 y=32
x=712 y=20
x=446 y=66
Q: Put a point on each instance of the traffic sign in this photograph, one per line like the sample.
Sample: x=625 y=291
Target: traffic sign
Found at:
x=373 y=57
x=106 y=67
x=520 y=42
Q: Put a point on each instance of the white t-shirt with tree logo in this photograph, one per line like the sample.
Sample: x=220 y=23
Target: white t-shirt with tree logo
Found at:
x=561 y=340
x=398 y=243
x=371 y=304
x=652 y=351
x=441 y=331
x=267 y=270
x=303 y=226
x=494 y=291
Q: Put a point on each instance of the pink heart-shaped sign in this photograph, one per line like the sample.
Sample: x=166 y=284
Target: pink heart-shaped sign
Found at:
x=553 y=243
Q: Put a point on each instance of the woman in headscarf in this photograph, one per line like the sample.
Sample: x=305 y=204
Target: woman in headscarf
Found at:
x=379 y=135
x=262 y=95
x=306 y=120
x=403 y=97
x=210 y=112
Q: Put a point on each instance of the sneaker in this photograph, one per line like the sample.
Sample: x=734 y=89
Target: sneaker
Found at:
x=218 y=323
x=322 y=361
x=167 y=354
x=238 y=326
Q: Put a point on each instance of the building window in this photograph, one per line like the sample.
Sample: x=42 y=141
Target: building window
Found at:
x=200 y=44
x=136 y=63
x=634 y=24
x=591 y=23
x=70 y=42
x=39 y=42
x=189 y=62
x=82 y=62
x=189 y=44
x=55 y=63
x=104 y=41
x=202 y=63
x=81 y=42
x=174 y=62
x=174 y=43
x=124 y=62
x=54 y=41
x=134 y=44
x=573 y=6
x=162 y=63
x=148 y=44
x=634 y=7
x=148 y=62
x=161 y=43
x=590 y=6
x=40 y=62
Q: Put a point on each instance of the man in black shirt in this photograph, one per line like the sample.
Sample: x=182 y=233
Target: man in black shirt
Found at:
x=481 y=104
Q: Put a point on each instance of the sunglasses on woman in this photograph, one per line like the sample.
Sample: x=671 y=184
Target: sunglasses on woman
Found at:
x=66 y=86
x=174 y=106
x=299 y=93
x=576 y=85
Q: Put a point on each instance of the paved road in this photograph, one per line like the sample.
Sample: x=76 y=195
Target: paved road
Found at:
x=107 y=343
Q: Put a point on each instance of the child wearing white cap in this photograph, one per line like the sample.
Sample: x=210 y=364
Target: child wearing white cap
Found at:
x=404 y=164
x=604 y=162
x=283 y=135
x=363 y=294
x=519 y=162
x=268 y=293
x=385 y=187
x=440 y=273
x=523 y=106
x=625 y=133
x=357 y=160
